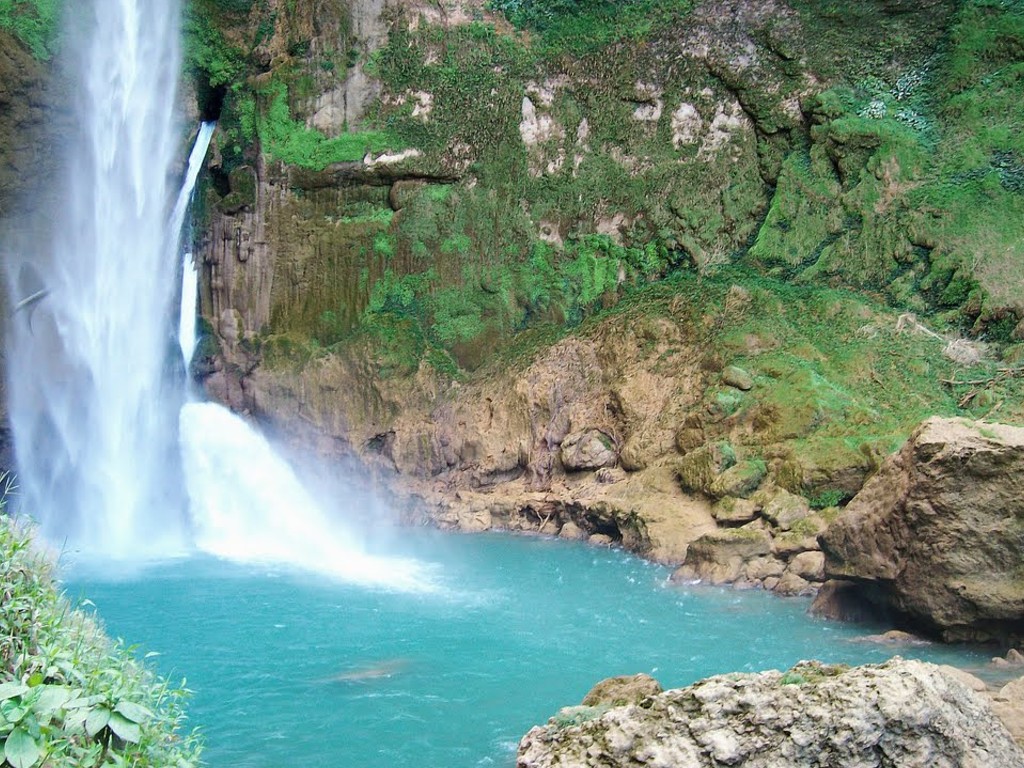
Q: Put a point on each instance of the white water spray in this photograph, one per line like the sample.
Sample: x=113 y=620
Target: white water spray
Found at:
x=96 y=379
x=249 y=506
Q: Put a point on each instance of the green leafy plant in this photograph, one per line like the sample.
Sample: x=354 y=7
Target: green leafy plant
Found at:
x=71 y=697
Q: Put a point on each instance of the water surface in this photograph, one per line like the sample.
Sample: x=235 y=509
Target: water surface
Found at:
x=291 y=670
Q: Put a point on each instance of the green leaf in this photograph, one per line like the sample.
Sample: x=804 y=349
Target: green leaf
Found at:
x=13 y=711
x=97 y=720
x=12 y=689
x=21 y=750
x=52 y=698
x=125 y=728
x=35 y=679
x=132 y=711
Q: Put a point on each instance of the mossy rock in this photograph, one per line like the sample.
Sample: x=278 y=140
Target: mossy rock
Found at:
x=622 y=690
x=784 y=510
x=698 y=469
x=242 y=183
x=740 y=480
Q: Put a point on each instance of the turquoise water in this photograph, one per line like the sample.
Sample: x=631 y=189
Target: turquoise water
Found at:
x=289 y=670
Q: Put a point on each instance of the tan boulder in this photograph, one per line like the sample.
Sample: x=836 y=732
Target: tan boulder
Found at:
x=730 y=510
x=719 y=557
x=809 y=565
x=937 y=534
x=588 y=449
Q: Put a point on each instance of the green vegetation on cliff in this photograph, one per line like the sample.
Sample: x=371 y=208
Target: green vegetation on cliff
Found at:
x=69 y=696
x=579 y=155
x=34 y=23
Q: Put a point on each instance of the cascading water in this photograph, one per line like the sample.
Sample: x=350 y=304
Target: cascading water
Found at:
x=96 y=378
x=189 y=273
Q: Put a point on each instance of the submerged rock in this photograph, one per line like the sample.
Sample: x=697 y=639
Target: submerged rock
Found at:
x=936 y=535
x=902 y=713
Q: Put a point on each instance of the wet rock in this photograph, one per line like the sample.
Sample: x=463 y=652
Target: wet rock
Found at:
x=762 y=568
x=600 y=540
x=572 y=532
x=843 y=601
x=549 y=528
x=901 y=713
x=588 y=449
x=792 y=584
x=936 y=534
x=895 y=637
x=719 y=557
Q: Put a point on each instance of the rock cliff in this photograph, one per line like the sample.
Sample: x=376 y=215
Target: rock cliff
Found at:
x=493 y=256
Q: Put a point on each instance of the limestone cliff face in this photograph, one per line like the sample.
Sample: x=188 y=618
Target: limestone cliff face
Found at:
x=411 y=204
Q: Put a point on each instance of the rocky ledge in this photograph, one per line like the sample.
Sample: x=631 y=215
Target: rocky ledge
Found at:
x=902 y=713
x=935 y=537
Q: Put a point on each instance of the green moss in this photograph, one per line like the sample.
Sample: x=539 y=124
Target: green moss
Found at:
x=826 y=499
x=292 y=142
x=35 y=23
x=581 y=26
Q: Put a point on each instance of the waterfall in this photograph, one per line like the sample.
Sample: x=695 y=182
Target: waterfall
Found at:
x=189 y=273
x=94 y=394
x=112 y=460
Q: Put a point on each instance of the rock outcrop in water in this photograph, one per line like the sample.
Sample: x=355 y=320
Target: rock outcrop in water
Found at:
x=902 y=713
x=936 y=536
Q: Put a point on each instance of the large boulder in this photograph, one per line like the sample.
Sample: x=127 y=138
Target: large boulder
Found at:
x=937 y=535
x=901 y=713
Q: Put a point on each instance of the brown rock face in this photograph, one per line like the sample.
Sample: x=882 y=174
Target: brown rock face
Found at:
x=937 y=535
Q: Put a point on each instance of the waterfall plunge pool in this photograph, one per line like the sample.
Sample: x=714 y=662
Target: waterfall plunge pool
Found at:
x=289 y=669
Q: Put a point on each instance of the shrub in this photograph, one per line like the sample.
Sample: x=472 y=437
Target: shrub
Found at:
x=72 y=697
